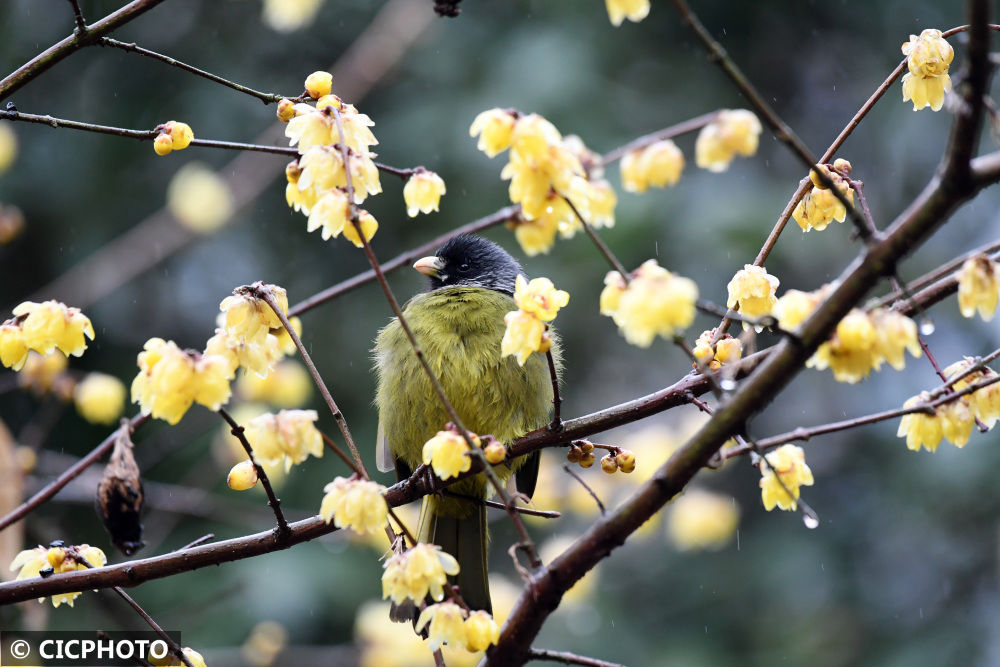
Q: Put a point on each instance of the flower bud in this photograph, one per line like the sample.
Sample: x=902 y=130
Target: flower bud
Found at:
x=163 y=144
x=587 y=460
x=626 y=460
x=495 y=452
x=319 y=84
x=286 y=110
x=574 y=454
x=243 y=476
x=609 y=464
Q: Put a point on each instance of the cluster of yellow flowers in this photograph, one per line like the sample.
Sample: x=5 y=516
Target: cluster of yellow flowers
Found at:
x=449 y=625
x=100 y=398
x=538 y=302
x=633 y=10
x=820 y=206
x=862 y=340
x=623 y=460
x=43 y=327
x=246 y=337
x=317 y=180
x=726 y=350
x=657 y=165
x=752 y=290
x=288 y=437
x=978 y=287
x=287 y=385
x=701 y=519
x=56 y=559
x=419 y=571
x=173 y=136
x=788 y=463
x=550 y=176
x=732 y=132
x=44 y=374
x=581 y=452
x=928 y=58
x=171 y=379
x=953 y=420
x=653 y=302
x=357 y=504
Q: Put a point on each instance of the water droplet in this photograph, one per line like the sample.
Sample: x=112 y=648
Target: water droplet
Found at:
x=926 y=327
x=727 y=384
x=810 y=520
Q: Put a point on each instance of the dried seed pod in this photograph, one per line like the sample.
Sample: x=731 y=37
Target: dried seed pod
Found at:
x=119 y=496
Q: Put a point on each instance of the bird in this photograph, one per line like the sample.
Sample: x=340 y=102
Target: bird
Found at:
x=459 y=323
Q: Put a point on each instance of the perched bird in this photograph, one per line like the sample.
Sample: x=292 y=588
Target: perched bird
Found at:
x=459 y=323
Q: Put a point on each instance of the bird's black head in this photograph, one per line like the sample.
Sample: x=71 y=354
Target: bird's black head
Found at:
x=471 y=261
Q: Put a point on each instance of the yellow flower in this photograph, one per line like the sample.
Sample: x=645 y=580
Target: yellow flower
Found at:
x=251 y=319
x=42 y=372
x=985 y=402
x=656 y=302
x=494 y=128
x=171 y=379
x=170 y=660
x=330 y=214
x=257 y=357
x=529 y=186
x=633 y=10
x=658 y=165
x=614 y=287
x=726 y=350
x=928 y=58
x=56 y=560
x=285 y=343
x=288 y=385
x=602 y=202
x=242 y=476
x=794 y=307
x=319 y=84
x=978 y=287
x=733 y=132
x=357 y=504
x=447 y=625
x=895 y=333
x=369 y=225
x=422 y=192
x=532 y=137
x=267 y=639
x=289 y=437
x=180 y=134
x=286 y=110
x=100 y=398
x=539 y=297
x=290 y=15
x=524 y=335
x=538 y=235
x=446 y=453
x=311 y=127
x=8 y=147
x=419 y=571
x=702 y=520
x=789 y=463
x=199 y=199
x=163 y=144
x=481 y=631
x=820 y=206
x=753 y=290
x=957 y=421
x=920 y=429
x=43 y=328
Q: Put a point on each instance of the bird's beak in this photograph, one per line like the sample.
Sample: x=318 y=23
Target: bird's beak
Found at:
x=429 y=266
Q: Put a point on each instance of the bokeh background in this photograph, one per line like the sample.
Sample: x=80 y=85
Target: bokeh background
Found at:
x=903 y=567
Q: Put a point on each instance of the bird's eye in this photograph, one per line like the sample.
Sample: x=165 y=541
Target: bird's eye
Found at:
x=464 y=267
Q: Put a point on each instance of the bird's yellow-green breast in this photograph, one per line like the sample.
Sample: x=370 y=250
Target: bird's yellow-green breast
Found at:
x=459 y=330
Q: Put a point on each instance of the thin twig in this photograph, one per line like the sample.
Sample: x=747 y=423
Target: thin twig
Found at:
x=132 y=47
x=572 y=473
x=176 y=648
x=602 y=247
x=340 y=454
x=666 y=133
x=545 y=514
x=272 y=499
x=81 y=24
x=567 y=658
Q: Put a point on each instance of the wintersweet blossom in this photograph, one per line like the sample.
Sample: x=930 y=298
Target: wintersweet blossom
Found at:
x=978 y=287
x=289 y=15
x=56 y=560
x=524 y=335
x=171 y=379
x=288 y=437
x=447 y=454
x=732 y=132
x=920 y=429
x=242 y=476
x=725 y=350
x=319 y=84
x=633 y=10
x=658 y=165
x=43 y=327
x=985 y=402
x=752 y=289
x=357 y=504
x=928 y=58
x=421 y=570
x=820 y=206
x=494 y=128
x=41 y=373
x=199 y=198
x=539 y=297
x=250 y=318
x=655 y=302
x=788 y=463
x=447 y=625
x=863 y=341
x=288 y=385
x=481 y=631
x=422 y=192
x=100 y=398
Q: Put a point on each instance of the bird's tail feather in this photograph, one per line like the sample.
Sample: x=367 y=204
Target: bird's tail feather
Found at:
x=465 y=539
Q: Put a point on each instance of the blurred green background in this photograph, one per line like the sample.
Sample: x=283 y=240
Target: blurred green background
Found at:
x=901 y=571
